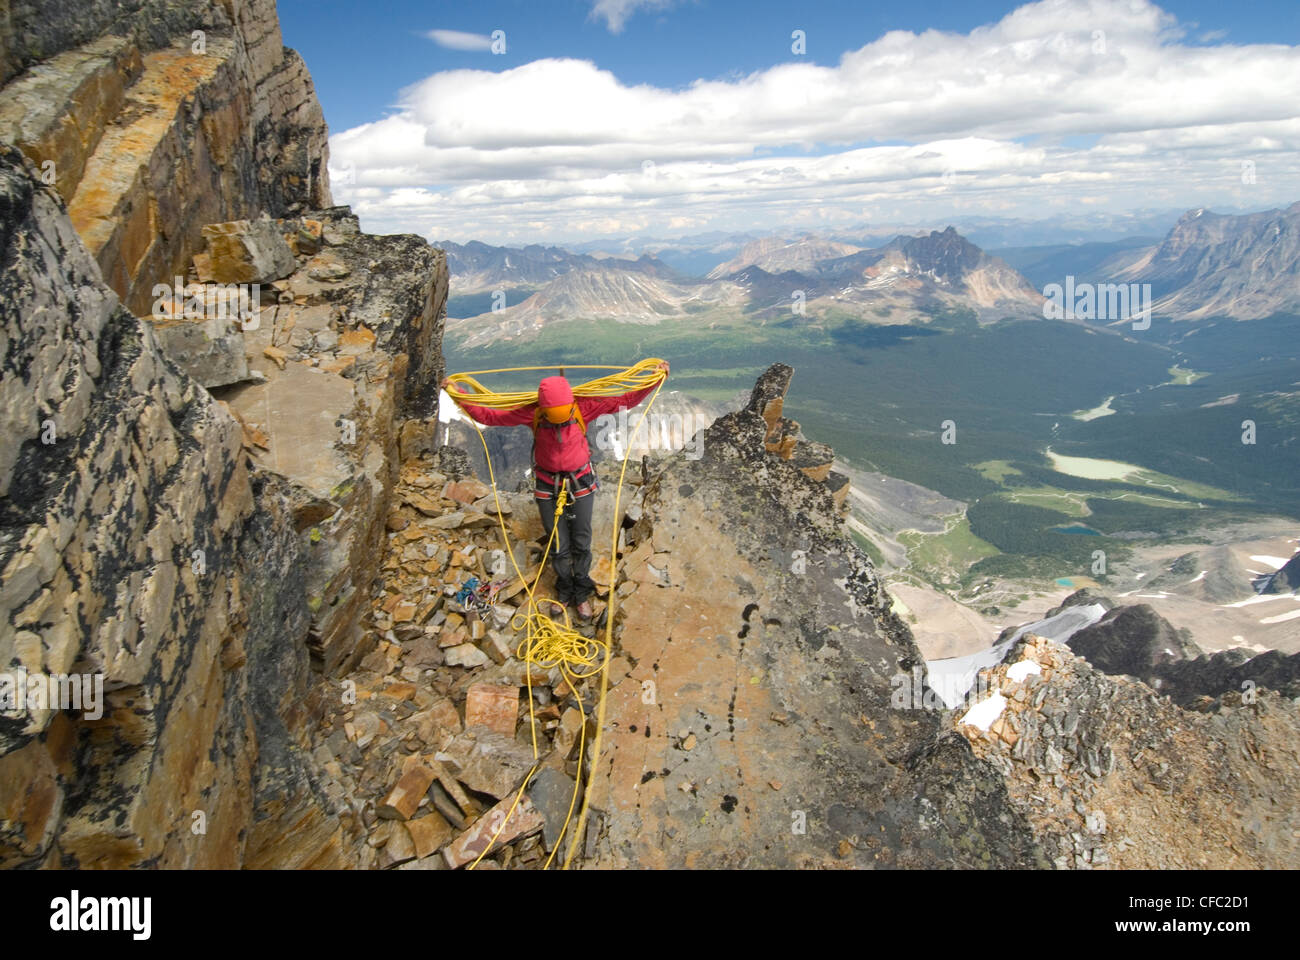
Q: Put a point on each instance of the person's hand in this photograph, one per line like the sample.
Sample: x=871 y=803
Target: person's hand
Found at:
x=663 y=365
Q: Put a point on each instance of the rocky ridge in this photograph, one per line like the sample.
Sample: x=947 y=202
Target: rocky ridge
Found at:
x=439 y=736
x=1111 y=774
x=780 y=743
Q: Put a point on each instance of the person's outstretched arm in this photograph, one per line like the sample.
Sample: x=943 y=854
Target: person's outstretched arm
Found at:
x=490 y=417
x=593 y=407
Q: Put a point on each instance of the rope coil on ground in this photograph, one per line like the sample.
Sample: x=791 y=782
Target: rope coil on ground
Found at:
x=548 y=644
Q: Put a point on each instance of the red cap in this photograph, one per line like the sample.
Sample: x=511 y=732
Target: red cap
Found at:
x=554 y=392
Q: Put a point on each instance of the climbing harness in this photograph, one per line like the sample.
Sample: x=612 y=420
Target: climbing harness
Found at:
x=548 y=644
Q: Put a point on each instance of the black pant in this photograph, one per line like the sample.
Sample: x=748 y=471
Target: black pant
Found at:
x=570 y=554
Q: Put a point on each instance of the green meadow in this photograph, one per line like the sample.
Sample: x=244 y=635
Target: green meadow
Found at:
x=884 y=396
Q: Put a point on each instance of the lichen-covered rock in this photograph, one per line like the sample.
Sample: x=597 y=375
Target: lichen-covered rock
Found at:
x=36 y=31
x=211 y=351
x=244 y=251
x=1111 y=774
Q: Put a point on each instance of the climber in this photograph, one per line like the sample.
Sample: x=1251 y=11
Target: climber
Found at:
x=560 y=452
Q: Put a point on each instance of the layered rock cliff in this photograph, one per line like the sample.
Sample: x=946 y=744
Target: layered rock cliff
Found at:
x=137 y=545
x=153 y=118
x=206 y=557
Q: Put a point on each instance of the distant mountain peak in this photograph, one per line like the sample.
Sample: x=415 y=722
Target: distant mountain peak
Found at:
x=1241 y=266
x=778 y=255
x=947 y=255
x=477 y=266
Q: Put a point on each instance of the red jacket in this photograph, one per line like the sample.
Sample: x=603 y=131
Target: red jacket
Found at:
x=562 y=448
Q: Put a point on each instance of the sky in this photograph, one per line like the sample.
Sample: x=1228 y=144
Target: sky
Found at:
x=513 y=122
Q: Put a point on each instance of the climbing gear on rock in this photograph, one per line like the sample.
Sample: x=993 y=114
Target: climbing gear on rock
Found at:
x=477 y=596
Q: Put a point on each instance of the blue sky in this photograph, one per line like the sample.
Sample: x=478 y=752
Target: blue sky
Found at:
x=606 y=117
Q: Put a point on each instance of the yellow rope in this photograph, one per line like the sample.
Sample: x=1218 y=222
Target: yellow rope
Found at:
x=548 y=644
x=638 y=377
x=609 y=634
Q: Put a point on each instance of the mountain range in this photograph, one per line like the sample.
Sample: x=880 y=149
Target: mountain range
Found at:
x=1239 y=266
x=696 y=254
x=611 y=292
x=765 y=279
x=479 y=267
x=922 y=268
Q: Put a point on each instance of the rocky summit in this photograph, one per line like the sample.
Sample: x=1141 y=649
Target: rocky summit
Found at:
x=257 y=611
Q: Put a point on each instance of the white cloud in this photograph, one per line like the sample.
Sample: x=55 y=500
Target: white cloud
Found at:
x=476 y=153
x=459 y=40
x=615 y=13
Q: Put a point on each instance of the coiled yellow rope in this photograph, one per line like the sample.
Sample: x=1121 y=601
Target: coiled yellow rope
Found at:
x=638 y=377
x=548 y=644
